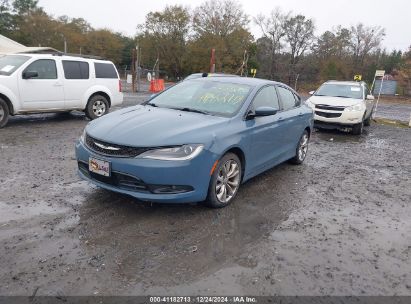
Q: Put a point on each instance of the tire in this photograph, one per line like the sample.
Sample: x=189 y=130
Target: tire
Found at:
x=96 y=107
x=358 y=128
x=219 y=195
x=301 y=150
x=4 y=113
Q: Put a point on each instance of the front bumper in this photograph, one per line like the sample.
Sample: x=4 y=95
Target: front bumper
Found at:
x=342 y=119
x=140 y=177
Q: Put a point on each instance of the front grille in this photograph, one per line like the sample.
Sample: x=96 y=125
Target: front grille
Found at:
x=332 y=108
x=113 y=149
x=328 y=114
x=116 y=179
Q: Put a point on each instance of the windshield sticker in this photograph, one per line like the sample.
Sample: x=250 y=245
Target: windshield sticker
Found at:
x=355 y=89
x=7 y=68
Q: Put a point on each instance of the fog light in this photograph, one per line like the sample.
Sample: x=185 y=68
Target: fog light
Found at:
x=170 y=189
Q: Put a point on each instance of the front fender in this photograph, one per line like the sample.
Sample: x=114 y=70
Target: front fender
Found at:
x=12 y=97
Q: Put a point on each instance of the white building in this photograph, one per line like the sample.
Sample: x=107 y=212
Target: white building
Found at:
x=8 y=46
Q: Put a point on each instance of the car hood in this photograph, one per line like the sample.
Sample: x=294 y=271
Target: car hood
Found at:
x=334 y=101
x=146 y=126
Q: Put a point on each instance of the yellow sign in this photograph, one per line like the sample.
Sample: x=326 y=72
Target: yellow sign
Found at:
x=357 y=77
x=253 y=72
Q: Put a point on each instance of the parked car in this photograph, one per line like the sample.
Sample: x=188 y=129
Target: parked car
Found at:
x=341 y=105
x=37 y=83
x=198 y=140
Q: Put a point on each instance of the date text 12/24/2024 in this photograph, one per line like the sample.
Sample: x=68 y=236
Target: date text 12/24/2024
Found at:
x=204 y=299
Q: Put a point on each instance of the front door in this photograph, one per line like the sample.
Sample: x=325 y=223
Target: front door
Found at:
x=265 y=132
x=43 y=90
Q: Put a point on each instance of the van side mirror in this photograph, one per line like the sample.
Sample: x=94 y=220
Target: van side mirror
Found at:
x=30 y=74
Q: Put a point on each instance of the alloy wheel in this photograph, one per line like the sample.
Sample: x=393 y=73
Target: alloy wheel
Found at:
x=228 y=181
x=303 y=147
x=99 y=108
x=1 y=113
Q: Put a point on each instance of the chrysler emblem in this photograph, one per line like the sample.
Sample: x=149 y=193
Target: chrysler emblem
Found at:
x=106 y=147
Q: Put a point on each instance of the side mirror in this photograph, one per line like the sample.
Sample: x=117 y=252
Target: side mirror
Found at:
x=265 y=111
x=370 y=97
x=311 y=92
x=30 y=74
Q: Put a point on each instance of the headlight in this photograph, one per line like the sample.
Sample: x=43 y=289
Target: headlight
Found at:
x=309 y=103
x=184 y=152
x=83 y=136
x=356 y=108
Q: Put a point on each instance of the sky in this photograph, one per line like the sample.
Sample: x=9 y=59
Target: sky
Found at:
x=124 y=15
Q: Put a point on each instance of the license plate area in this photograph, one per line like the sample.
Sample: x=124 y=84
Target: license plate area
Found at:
x=99 y=166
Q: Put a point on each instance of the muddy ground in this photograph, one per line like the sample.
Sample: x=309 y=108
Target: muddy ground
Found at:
x=340 y=224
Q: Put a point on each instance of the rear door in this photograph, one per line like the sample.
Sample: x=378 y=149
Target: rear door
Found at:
x=293 y=119
x=76 y=82
x=45 y=91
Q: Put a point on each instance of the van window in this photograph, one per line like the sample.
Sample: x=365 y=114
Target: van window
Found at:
x=105 y=70
x=76 y=69
x=46 y=69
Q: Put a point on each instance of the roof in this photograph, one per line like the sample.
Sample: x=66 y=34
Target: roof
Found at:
x=9 y=46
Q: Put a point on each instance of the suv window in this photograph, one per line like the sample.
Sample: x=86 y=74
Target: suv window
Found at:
x=76 y=69
x=45 y=68
x=105 y=70
x=266 y=97
x=287 y=98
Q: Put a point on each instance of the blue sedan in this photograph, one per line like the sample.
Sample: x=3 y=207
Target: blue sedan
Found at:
x=196 y=141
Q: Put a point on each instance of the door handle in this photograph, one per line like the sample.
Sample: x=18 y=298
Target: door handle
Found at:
x=280 y=118
x=300 y=114
x=58 y=84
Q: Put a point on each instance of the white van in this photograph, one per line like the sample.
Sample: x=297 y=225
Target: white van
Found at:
x=38 y=83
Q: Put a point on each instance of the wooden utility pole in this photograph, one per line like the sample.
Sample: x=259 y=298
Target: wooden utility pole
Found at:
x=212 y=61
x=133 y=70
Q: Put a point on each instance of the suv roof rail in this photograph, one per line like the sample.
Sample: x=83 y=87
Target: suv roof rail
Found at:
x=78 y=55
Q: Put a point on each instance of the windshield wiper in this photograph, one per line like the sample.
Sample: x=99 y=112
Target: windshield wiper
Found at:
x=193 y=110
x=342 y=96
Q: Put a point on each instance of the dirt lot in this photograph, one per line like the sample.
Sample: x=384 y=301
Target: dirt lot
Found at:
x=338 y=225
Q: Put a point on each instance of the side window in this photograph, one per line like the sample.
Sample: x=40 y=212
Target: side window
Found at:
x=287 y=98
x=76 y=69
x=266 y=97
x=105 y=70
x=45 y=68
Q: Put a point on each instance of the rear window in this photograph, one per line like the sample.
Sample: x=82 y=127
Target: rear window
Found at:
x=105 y=70
x=76 y=69
x=10 y=63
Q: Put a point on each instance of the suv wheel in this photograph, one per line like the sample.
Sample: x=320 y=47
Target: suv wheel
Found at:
x=225 y=181
x=97 y=106
x=302 y=149
x=4 y=113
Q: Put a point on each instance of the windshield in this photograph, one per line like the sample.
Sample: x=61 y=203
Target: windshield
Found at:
x=208 y=97
x=340 y=90
x=10 y=63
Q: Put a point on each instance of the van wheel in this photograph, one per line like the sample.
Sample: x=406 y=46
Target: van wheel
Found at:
x=4 y=113
x=358 y=128
x=302 y=149
x=225 y=181
x=97 y=106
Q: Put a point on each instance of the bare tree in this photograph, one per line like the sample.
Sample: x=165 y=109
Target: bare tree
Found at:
x=299 y=34
x=272 y=27
x=219 y=17
x=364 y=40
